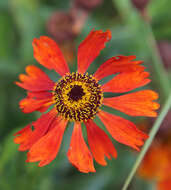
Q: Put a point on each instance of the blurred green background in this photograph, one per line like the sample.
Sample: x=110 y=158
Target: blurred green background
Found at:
x=20 y=22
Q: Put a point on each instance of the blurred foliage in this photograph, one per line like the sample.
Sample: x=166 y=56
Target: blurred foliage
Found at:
x=20 y=22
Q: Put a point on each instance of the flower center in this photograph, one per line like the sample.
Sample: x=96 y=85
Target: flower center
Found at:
x=77 y=97
x=76 y=93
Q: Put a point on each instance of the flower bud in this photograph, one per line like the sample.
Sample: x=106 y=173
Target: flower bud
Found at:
x=88 y=4
x=164 y=50
x=140 y=4
x=60 y=26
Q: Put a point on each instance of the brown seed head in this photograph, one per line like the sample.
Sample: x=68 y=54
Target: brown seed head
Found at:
x=140 y=4
x=165 y=52
x=87 y=4
x=60 y=26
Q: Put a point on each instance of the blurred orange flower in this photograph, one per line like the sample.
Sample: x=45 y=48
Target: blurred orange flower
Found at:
x=77 y=97
x=156 y=165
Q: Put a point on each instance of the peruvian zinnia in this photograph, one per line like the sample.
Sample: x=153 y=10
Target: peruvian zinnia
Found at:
x=77 y=97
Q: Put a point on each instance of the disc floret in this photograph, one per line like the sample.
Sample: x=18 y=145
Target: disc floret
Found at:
x=77 y=97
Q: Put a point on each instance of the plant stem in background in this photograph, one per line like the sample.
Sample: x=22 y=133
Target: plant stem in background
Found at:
x=158 y=66
x=147 y=144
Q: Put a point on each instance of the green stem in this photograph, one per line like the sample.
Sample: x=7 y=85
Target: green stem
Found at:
x=147 y=144
x=157 y=62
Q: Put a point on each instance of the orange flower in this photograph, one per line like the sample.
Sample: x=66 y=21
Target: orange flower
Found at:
x=78 y=97
x=156 y=165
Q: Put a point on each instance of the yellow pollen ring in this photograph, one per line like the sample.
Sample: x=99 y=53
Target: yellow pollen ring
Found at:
x=77 y=97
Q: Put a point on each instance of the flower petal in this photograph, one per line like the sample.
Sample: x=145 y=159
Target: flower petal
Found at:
x=164 y=184
x=78 y=153
x=23 y=134
x=36 y=80
x=90 y=48
x=135 y=104
x=156 y=163
x=29 y=105
x=126 y=81
x=46 y=148
x=40 y=95
x=123 y=130
x=27 y=137
x=99 y=142
x=151 y=165
x=47 y=53
x=118 y=64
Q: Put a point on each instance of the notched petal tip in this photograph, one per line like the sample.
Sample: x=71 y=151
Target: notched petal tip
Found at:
x=109 y=35
x=78 y=153
x=118 y=64
x=90 y=48
x=29 y=105
x=122 y=130
x=48 y=54
x=126 y=81
x=100 y=144
x=27 y=136
x=135 y=104
x=35 y=80
x=22 y=135
x=47 y=147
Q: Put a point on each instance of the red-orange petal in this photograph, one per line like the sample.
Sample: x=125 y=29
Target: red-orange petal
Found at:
x=23 y=134
x=99 y=143
x=47 y=53
x=126 y=81
x=27 y=137
x=118 y=64
x=40 y=95
x=135 y=104
x=78 y=153
x=47 y=147
x=90 y=48
x=35 y=80
x=156 y=163
x=164 y=184
x=28 y=105
x=123 y=130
